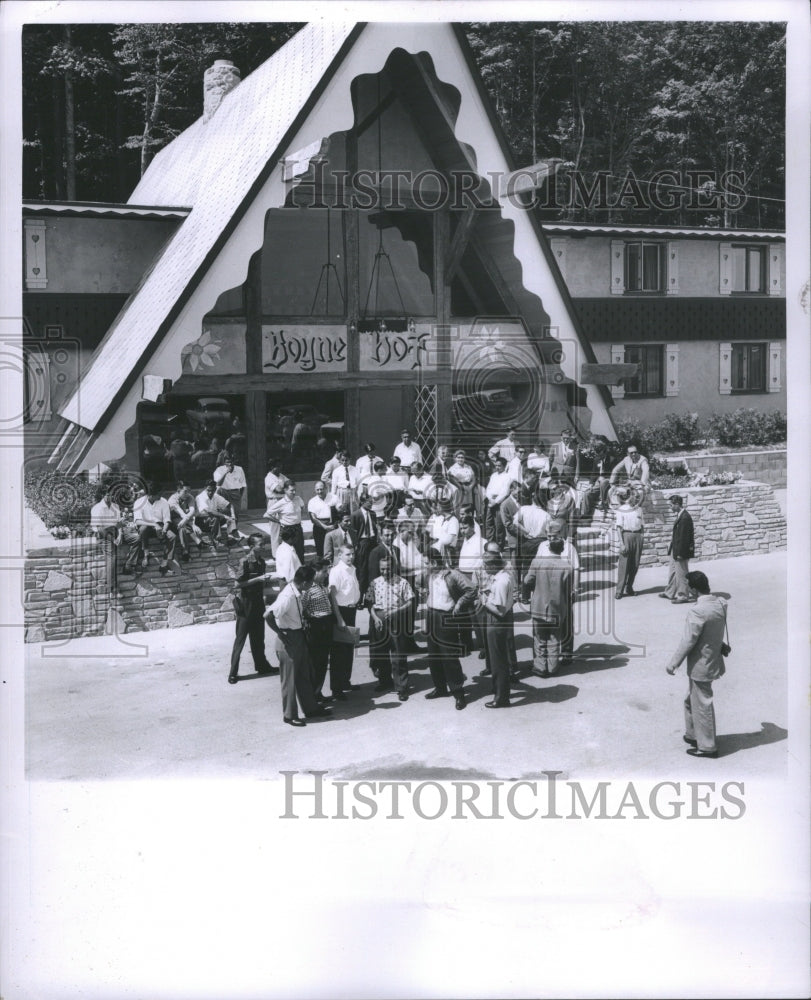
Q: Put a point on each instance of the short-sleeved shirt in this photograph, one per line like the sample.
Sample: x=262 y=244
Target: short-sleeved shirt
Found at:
x=287 y=609
x=316 y=602
x=388 y=595
x=287 y=561
x=287 y=510
x=345 y=581
x=102 y=516
x=408 y=453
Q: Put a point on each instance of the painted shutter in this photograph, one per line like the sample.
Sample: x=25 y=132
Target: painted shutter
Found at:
x=775 y=357
x=618 y=358
x=775 y=284
x=38 y=385
x=725 y=369
x=36 y=273
x=672 y=268
x=617 y=267
x=671 y=369
x=725 y=268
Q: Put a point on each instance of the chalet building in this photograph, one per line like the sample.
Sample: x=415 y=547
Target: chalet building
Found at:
x=701 y=311
x=328 y=254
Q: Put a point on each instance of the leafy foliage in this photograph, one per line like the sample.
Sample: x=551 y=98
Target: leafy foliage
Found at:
x=747 y=426
x=59 y=499
x=677 y=432
x=610 y=97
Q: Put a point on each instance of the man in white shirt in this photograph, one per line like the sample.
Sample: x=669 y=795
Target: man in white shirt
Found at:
x=633 y=468
x=344 y=579
x=153 y=519
x=321 y=508
x=412 y=561
x=377 y=486
x=184 y=510
x=505 y=448
x=517 y=464
x=367 y=460
x=529 y=525
x=410 y=513
x=331 y=465
x=287 y=511
x=105 y=520
x=214 y=514
x=419 y=483
x=445 y=532
x=286 y=618
x=496 y=492
x=345 y=482
x=230 y=480
x=287 y=559
x=497 y=605
x=274 y=479
x=471 y=551
x=408 y=451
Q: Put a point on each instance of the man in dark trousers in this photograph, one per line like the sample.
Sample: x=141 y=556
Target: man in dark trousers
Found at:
x=681 y=550
x=701 y=645
x=249 y=604
x=363 y=531
x=550 y=580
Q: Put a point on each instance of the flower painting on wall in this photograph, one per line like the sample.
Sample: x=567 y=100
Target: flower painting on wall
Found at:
x=219 y=350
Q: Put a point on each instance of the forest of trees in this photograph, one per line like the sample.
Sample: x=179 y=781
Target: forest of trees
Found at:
x=610 y=100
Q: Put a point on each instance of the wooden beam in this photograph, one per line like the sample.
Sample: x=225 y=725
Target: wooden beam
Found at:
x=494 y=274
x=459 y=242
x=213 y=385
x=607 y=374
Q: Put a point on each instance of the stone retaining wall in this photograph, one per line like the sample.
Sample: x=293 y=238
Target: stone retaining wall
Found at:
x=757 y=466
x=66 y=593
x=738 y=520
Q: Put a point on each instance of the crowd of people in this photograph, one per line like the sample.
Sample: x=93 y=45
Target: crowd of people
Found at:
x=461 y=541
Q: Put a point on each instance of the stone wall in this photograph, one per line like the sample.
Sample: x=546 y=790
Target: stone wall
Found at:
x=66 y=593
x=759 y=466
x=738 y=520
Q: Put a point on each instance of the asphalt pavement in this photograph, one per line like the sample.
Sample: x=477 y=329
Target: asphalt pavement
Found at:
x=158 y=705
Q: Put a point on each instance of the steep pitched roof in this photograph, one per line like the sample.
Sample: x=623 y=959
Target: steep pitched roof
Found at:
x=213 y=167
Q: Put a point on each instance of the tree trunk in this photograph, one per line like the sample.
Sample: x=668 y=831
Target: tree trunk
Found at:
x=58 y=171
x=70 y=130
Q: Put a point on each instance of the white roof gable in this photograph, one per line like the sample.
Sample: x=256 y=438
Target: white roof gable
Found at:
x=210 y=167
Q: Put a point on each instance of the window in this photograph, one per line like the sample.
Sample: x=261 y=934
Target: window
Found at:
x=748 y=269
x=749 y=367
x=650 y=380
x=645 y=267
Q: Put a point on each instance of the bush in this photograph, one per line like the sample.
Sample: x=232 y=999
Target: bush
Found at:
x=59 y=499
x=683 y=431
x=747 y=426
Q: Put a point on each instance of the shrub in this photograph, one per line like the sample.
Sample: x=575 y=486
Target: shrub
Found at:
x=59 y=499
x=747 y=426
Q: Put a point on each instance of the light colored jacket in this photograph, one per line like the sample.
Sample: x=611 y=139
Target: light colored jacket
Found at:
x=702 y=638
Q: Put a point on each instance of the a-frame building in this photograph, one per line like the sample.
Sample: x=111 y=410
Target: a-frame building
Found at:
x=316 y=301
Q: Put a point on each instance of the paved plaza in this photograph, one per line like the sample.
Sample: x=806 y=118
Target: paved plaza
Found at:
x=161 y=708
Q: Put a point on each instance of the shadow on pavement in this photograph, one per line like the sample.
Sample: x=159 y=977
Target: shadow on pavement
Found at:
x=732 y=742
x=523 y=694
